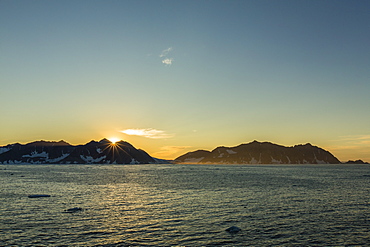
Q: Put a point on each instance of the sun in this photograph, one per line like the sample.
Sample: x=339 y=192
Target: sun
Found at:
x=113 y=139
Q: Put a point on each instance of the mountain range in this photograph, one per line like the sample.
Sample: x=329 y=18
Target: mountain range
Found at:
x=260 y=153
x=106 y=152
x=46 y=152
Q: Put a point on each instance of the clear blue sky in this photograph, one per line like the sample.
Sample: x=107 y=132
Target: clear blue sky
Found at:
x=193 y=74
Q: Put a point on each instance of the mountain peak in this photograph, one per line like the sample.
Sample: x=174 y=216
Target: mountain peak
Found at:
x=62 y=142
x=105 y=141
x=48 y=143
x=261 y=153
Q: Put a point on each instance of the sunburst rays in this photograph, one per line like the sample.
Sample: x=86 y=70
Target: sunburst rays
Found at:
x=115 y=148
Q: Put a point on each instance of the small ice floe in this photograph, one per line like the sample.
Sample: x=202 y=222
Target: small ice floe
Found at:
x=73 y=210
x=233 y=229
x=37 y=196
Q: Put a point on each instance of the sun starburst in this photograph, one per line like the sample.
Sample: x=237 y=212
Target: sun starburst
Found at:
x=113 y=140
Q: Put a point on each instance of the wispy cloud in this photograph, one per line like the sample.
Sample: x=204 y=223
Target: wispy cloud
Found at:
x=356 y=139
x=343 y=147
x=167 y=61
x=167 y=151
x=351 y=147
x=148 y=133
x=165 y=52
x=164 y=56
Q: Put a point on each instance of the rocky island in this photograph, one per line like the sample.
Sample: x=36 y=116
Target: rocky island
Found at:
x=46 y=152
x=260 y=153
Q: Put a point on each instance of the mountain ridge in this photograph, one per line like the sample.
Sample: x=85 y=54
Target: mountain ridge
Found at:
x=260 y=153
x=122 y=152
x=61 y=152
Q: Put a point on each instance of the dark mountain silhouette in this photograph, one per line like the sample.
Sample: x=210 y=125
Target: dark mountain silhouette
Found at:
x=356 y=162
x=260 y=153
x=102 y=152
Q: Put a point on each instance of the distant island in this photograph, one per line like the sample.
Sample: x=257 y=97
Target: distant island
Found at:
x=260 y=153
x=102 y=152
x=106 y=152
x=356 y=162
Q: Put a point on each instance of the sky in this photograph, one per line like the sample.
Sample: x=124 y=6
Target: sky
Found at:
x=176 y=76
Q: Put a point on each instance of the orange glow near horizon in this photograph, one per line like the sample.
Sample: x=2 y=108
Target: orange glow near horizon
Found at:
x=114 y=139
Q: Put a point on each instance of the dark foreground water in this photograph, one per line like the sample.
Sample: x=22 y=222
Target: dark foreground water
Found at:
x=185 y=205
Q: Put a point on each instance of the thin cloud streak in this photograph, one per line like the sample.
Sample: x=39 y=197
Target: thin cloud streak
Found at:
x=356 y=139
x=165 y=52
x=347 y=145
x=148 y=133
x=170 y=150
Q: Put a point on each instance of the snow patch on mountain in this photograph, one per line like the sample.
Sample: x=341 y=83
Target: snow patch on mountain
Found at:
x=90 y=159
x=57 y=159
x=3 y=150
x=11 y=162
x=36 y=155
x=133 y=161
x=321 y=161
x=274 y=161
x=289 y=162
x=253 y=161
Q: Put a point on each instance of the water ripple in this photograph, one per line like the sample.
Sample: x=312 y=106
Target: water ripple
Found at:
x=176 y=205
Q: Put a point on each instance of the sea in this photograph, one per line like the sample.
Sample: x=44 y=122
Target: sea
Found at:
x=185 y=205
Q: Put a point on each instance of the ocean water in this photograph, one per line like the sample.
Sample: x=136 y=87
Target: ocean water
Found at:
x=185 y=205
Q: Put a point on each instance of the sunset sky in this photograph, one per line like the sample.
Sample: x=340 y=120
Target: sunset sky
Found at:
x=176 y=76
